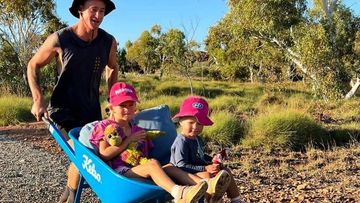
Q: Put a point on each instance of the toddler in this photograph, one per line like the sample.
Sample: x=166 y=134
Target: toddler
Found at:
x=187 y=151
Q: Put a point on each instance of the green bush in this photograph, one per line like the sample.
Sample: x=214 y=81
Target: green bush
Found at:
x=14 y=110
x=225 y=102
x=285 y=129
x=346 y=133
x=270 y=99
x=209 y=92
x=172 y=88
x=172 y=101
x=227 y=129
x=299 y=101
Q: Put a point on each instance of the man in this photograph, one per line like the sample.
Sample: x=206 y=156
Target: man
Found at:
x=82 y=52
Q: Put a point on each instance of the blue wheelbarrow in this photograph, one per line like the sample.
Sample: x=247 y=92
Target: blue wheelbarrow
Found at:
x=108 y=185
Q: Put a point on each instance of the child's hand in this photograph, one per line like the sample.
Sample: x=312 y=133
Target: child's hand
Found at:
x=138 y=136
x=213 y=168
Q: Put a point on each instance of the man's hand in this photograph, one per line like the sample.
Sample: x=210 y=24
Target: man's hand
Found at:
x=38 y=109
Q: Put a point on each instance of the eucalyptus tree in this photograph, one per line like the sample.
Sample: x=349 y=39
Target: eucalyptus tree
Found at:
x=318 y=41
x=243 y=37
x=325 y=46
x=23 y=26
x=143 y=51
x=179 y=53
x=169 y=52
x=355 y=82
x=121 y=60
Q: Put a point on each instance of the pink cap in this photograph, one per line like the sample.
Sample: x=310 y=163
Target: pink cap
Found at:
x=194 y=106
x=121 y=92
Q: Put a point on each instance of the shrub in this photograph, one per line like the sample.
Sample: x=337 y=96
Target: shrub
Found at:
x=172 y=101
x=227 y=129
x=285 y=129
x=225 y=102
x=299 y=101
x=209 y=92
x=170 y=88
x=346 y=133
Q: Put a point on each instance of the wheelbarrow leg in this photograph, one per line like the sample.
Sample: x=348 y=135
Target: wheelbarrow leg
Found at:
x=79 y=189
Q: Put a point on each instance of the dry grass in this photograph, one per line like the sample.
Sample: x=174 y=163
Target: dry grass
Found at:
x=285 y=176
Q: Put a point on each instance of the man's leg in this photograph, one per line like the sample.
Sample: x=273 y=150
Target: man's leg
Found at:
x=73 y=178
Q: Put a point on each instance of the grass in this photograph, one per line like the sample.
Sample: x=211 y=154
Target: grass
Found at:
x=226 y=130
x=255 y=115
x=225 y=103
x=14 y=110
x=285 y=129
x=172 y=101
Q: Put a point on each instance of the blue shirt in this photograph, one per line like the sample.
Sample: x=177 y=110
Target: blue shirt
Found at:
x=188 y=154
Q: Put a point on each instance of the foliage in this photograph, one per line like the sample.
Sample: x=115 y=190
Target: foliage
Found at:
x=14 y=110
x=173 y=105
x=23 y=25
x=225 y=103
x=121 y=60
x=227 y=128
x=170 y=53
x=143 y=52
x=235 y=41
x=285 y=129
x=273 y=40
x=241 y=110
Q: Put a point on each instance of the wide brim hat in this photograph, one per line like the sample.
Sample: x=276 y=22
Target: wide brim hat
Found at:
x=194 y=106
x=74 y=9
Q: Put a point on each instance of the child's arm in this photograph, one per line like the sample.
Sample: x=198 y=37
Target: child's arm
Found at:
x=108 y=152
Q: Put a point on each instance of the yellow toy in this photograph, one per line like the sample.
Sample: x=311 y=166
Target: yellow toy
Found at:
x=131 y=155
x=111 y=136
x=151 y=134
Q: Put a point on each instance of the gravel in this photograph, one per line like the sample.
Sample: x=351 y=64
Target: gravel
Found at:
x=33 y=169
x=30 y=174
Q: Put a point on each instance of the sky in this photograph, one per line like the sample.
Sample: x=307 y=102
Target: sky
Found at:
x=132 y=17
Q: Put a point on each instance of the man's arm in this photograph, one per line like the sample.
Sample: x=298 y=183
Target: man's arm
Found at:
x=112 y=68
x=42 y=57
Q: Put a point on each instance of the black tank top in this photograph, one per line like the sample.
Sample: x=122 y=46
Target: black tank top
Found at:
x=75 y=97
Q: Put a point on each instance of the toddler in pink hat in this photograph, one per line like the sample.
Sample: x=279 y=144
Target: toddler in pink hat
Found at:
x=194 y=106
x=187 y=151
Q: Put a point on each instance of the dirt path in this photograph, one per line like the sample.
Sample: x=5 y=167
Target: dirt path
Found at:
x=35 y=133
x=32 y=166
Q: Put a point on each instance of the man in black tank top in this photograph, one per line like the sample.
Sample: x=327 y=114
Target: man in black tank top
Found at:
x=82 y=52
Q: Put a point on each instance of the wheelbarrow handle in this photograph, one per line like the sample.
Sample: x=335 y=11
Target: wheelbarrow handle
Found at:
x=59 y=138
x=46 y=120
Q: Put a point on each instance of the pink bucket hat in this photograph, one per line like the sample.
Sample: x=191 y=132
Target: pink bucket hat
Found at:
x=194 y=106
x=121 y=92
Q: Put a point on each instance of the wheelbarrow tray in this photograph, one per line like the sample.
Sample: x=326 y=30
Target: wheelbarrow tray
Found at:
x=109 y=186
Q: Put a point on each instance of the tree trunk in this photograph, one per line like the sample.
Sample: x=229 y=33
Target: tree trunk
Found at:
x=190 y=83
x=251 y=70
x=353 y=90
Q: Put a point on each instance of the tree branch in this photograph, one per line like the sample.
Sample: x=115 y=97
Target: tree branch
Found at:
x=354 y=88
